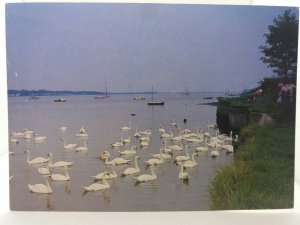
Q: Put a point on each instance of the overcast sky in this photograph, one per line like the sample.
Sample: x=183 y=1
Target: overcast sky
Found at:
x=134 y=46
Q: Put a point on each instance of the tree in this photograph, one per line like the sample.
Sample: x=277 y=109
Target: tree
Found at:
x=280 y=51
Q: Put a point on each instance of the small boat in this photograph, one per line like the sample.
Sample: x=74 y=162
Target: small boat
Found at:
x=139 y=98
x=208 y=98
x=60 y=100
x=102 y=96
x=35 y=97
x=155 y=102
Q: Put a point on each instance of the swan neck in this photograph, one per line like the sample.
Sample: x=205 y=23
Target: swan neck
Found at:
x=136 y=164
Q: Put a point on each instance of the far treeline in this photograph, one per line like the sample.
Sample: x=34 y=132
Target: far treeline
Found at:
x=261 y=175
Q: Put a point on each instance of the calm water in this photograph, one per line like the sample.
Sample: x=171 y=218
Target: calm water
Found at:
x=103 y=119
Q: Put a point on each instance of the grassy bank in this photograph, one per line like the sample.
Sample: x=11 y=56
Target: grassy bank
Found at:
x=262 y=174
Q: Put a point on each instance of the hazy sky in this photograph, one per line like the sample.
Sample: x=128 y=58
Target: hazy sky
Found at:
x=134 y=46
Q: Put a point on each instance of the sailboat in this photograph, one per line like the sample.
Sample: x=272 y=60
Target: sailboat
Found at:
x=155 y=102
x=102 y=96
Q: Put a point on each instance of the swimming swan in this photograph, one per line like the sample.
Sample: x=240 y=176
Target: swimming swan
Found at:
x=107 y=175
x=126 y=128
x=83 y=148
x=214 y=153
x=97 y=186
x=35 y=160
x=146 y=177
x=191 y=163
x=61 y=177
x=68 y=146
x=183 y=157
x=130 y=151
x=41 y=188
x=182 y=175
x=116 y=161
x=59 y=163
x=131 y=170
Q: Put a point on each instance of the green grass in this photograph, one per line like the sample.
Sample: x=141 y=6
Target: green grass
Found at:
x=262 y=174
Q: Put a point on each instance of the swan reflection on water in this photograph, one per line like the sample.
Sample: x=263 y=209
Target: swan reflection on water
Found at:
x=101 y=193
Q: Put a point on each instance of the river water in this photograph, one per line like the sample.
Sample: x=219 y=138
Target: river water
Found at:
x=103 y=119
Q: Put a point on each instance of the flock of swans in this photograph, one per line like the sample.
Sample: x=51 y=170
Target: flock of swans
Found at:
x=176 y=147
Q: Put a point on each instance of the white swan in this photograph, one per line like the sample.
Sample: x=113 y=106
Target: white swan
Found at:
x=107 y=175
x=146 y=177
x=62 y=128
x=182 y=175
x=202 y=148
x=45 y=170
x=130 y=151
x=97 y=186
x=183 y=157
x=136 y=134
x=127 y=140
x=161 y=155
x=161 y=130
x=104 y=154
x=131 y=170
x=214 y=153
x=167 y=136
x=146 y=132
x=155 y=161
x=39 y=138
x=190 y=163
x=37 y=160
x=82 y=132
x=126 y=128
x=68 y=146
x=176 y=147
x=116 y=161
x=118 y=144
x=13 y=139
x=41 y=188
x=59 y=163
x=83 y=148
x=61 y=177
x=144 y=144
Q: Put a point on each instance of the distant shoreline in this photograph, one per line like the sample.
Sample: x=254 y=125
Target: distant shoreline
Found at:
x=23 y=92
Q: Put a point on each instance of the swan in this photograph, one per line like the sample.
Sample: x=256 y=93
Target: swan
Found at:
x=182 y=175
x=145 y=138
x=116 y=161
x=161 y=130
x=166 y=136
x=190 y=163
x=13 y=139
x=161 y=155
x=26 y=131
x=37 y=160
x=39 y=138
x=118 y=144
x=126 y=141
x=61 y=177
x=177 y=138
x=107 y=175
x=83 y=148
x=41 y=188
x=131 y=151
x=146 y=132
x=228 y=139
x=27 y=136
x=144 y=144
x=68 y=146
x=155 y=161
x=136 y=134
x=126 y=128
x=97 y=186
x=202 y=148
x=183 y=157
x=214 y=153
x=104 y=154
x=45 y=170
x=82 y=132
x=132 y=170
x=59 y=163
x=176 y=147
x=62 y=128
x=146 y=177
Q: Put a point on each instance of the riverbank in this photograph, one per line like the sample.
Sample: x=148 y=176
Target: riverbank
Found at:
x=262 y=173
